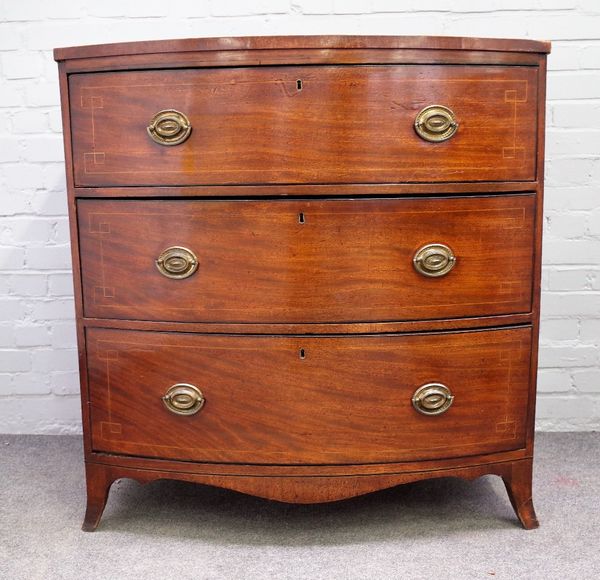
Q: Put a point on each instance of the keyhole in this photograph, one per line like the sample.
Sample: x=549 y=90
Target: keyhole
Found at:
x=299 y=84
x=301 y=217
x=302 y=354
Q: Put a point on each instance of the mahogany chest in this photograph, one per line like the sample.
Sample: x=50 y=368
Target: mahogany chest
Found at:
x=306 y=268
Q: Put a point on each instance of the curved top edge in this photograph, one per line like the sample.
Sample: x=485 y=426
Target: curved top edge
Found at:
x=302 y=42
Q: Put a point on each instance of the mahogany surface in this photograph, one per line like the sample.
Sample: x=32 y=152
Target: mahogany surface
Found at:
x=275 y=399
x=346 y=124
x=342 y=261
x=309 y=339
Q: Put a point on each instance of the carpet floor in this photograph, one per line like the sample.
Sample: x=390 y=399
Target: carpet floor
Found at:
x=439 y=529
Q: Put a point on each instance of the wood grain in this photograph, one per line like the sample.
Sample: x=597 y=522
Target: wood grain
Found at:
x=346 y=124
x=339 y=43
x=298 y=400
x=350 y=261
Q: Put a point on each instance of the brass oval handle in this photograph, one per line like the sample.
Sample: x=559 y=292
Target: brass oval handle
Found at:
x=432 y=399
x=434 y=260
x=169 y=127
x=177 y=262
x=184 y=399
x=436 y=123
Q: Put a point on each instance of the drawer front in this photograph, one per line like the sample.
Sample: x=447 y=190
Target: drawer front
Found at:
x=326 y=124
x=304 y=400
x=306 y=261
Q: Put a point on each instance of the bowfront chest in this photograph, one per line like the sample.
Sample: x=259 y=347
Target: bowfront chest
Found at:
x=306 y=268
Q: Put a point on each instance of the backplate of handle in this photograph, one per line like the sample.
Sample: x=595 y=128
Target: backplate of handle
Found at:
x=177 y=262
x=432 y=399
x=183 y=399
x=169 y=127
x=436 y=123
x=434 y=260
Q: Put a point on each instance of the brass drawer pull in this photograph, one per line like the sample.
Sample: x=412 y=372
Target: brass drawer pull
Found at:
x=177 y=262
x=184 y=399
x=432 y=399
x=436 y=123
x=434 y=260
x=169 y=127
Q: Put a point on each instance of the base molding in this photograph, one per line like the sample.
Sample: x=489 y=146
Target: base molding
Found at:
x=315 y=488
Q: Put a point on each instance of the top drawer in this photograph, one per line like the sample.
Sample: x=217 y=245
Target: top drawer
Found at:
x=318 y=124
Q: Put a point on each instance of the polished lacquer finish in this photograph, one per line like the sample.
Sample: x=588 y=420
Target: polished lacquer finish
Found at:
x=306 y=268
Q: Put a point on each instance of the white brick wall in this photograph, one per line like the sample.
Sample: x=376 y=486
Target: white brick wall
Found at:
x=38 y=363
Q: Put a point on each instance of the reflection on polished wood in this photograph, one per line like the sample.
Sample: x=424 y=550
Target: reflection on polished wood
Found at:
x=306 y=268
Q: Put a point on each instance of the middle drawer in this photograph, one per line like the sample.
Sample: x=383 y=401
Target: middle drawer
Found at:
x=292 y=261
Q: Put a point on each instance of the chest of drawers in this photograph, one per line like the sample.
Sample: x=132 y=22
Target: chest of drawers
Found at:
x=306 y=268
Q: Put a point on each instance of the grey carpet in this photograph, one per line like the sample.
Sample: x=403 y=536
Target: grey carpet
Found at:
x=442 y=529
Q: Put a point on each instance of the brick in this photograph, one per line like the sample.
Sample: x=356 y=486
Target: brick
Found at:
x=571 y=251
x=9 y=37
x=10 y=149
x=49 y=258
x=553 y=381
x=13 y=204
x=28 y=284
x=15 y=360
x=54 y=180
x=55 y=120
x=64 y=335
x=44 y=415
x=564 y=26
x=312 y=6
x=29 y=122
x=587 y=381
x=21 y=66
x=568 y=280
x=590 y=57
x=23 y=11
x=590 y=330
x=11 y=95
x=61 y=233
x=573 y=85
x=565 y=57
x=31 y=384
x=54 y=360
x=60 y=284
x=21 y=176
x=559 y=329
x=351 y=7
x=571 y=304
x=565 y=407
x=42 y=95
x=66 y=9
x=555 y=356
x=32 y=335
x=583 y=115
x=26 y=230
x=43 y=148
x=571 y=198
x=65 y=383
x=245 y=8
x=11 y=258
x=573 y=171
x=48 y=203
x=7 y=337
x=148 y=9
x=53 y=310
x=580 y=142
x=594 y=224
x=565 y=224
x=44 y=36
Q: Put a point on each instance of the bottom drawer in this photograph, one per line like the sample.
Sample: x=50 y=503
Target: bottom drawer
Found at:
x=307 y=400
